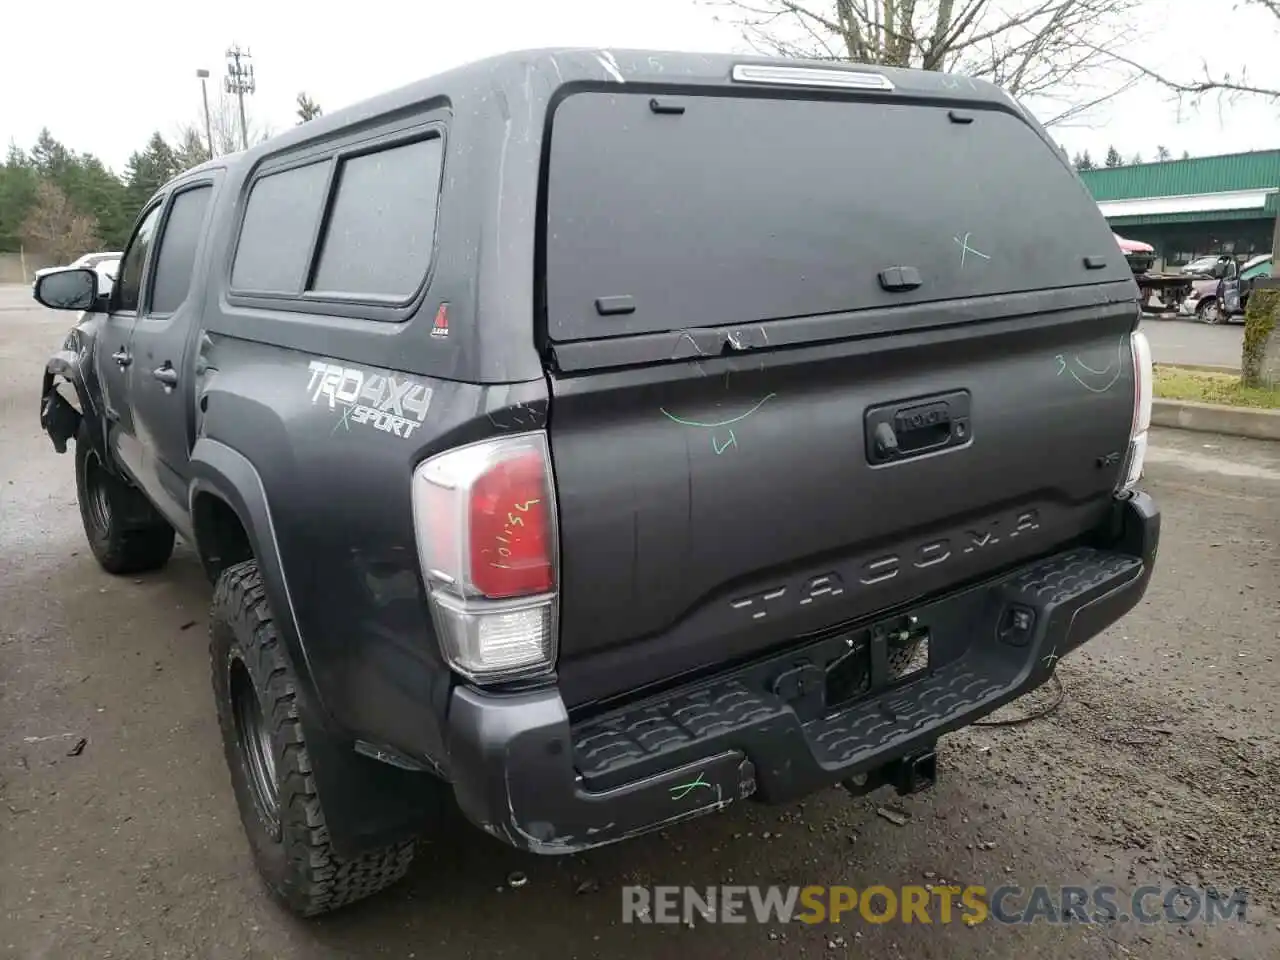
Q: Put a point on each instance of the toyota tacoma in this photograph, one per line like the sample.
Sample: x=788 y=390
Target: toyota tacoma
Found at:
x=592 y=440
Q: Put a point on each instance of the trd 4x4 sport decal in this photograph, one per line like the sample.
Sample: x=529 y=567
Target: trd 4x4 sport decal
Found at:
x=388 y=402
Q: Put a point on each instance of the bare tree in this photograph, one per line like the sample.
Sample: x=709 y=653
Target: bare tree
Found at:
x=224 y=124
x=1225 y=86
x=1226 y=83
x=1048 y=51
x=54 y=227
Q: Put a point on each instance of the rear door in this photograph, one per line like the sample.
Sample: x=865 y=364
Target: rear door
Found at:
x=813 y=358
x=160 y=389
x=113 y=353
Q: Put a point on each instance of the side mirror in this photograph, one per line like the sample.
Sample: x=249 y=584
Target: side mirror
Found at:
x=75 y=288
x=1219 y=270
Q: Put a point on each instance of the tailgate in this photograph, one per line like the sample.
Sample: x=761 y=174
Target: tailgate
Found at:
x=814 y=359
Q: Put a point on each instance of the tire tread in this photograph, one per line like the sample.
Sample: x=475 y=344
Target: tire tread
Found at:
x=120 y=552
x=315 y=880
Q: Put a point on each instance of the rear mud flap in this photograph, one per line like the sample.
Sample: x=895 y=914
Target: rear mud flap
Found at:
x=59 y=419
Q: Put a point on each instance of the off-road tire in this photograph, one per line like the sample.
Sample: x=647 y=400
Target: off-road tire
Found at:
x=105 y=501
x=290 y=844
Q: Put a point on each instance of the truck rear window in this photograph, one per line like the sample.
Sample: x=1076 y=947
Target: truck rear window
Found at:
x=746 y=209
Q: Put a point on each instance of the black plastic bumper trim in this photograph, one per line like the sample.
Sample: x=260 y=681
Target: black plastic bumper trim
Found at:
x=524 y=774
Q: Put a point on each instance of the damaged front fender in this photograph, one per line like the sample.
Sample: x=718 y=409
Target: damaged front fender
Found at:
x=60 y=414
x=58 y=418
x=66 y=396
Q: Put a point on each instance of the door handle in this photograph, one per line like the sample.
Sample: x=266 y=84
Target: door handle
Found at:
x=122 y=357
x=166 y=375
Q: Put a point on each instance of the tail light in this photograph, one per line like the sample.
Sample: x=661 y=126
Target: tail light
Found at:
x=485 y=521
x=1143 y=375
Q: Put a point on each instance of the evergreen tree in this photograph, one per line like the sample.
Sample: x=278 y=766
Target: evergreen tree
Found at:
x=50 y=158
x=18 y=181
x=191 y=150
x=1113 y=158
x=148 y=171
x=308 y=109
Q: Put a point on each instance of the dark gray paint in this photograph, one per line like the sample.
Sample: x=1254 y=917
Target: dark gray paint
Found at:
x=746 y=209
x=677 y=523
x=661 y=529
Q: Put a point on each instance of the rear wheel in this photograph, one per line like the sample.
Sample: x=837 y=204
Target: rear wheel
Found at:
x=266 y=750
x=125 y=532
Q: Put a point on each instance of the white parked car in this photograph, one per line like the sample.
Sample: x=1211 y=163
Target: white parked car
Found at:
x=107 y=270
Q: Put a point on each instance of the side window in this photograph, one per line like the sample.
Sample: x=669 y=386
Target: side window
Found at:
x=177 y=256
x=381 y=226
x=279 y=223
x=128 y=287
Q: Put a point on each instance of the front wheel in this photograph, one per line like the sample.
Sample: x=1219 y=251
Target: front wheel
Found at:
x=1208 y=311
x=125 y=532
x=266 y=750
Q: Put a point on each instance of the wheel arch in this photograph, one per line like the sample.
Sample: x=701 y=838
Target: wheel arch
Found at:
x=368 y=803
x=224 y=482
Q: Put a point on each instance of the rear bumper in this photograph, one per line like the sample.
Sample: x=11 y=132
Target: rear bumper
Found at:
x=525 y=773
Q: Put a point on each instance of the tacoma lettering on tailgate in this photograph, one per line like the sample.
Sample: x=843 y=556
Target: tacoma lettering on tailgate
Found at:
x=886 y=566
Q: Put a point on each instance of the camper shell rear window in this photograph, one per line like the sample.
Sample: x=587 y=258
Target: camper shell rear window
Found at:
x=740 y=209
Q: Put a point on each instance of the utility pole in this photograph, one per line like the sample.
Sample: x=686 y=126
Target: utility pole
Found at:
x=240 y=81
x=204 y=91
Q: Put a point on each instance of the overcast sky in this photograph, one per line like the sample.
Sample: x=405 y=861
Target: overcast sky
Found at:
x=103 y=75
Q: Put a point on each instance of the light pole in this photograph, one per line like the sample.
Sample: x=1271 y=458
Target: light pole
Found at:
x=204 y=91
x=240 y=81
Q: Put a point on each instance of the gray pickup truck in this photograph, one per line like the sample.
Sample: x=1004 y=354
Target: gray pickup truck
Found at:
x=595 y=439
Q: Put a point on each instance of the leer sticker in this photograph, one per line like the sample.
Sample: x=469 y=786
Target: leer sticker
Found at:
x=390 y=403
x=440 y=328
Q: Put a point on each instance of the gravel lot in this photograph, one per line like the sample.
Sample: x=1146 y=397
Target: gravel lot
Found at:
x=1160 y=766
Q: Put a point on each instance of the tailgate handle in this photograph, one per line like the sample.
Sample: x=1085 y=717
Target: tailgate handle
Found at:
x=899 y=431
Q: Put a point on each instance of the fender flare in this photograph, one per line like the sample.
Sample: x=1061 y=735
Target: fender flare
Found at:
x=228 y=474
x=367 y=803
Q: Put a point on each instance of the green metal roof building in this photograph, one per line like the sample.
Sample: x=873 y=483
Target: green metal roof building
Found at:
x=1190 y=208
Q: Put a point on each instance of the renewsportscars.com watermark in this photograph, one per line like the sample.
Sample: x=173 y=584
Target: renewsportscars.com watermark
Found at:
x=933 y=904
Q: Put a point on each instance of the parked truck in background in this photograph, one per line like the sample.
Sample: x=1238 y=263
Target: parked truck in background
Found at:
x=1159 y=292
